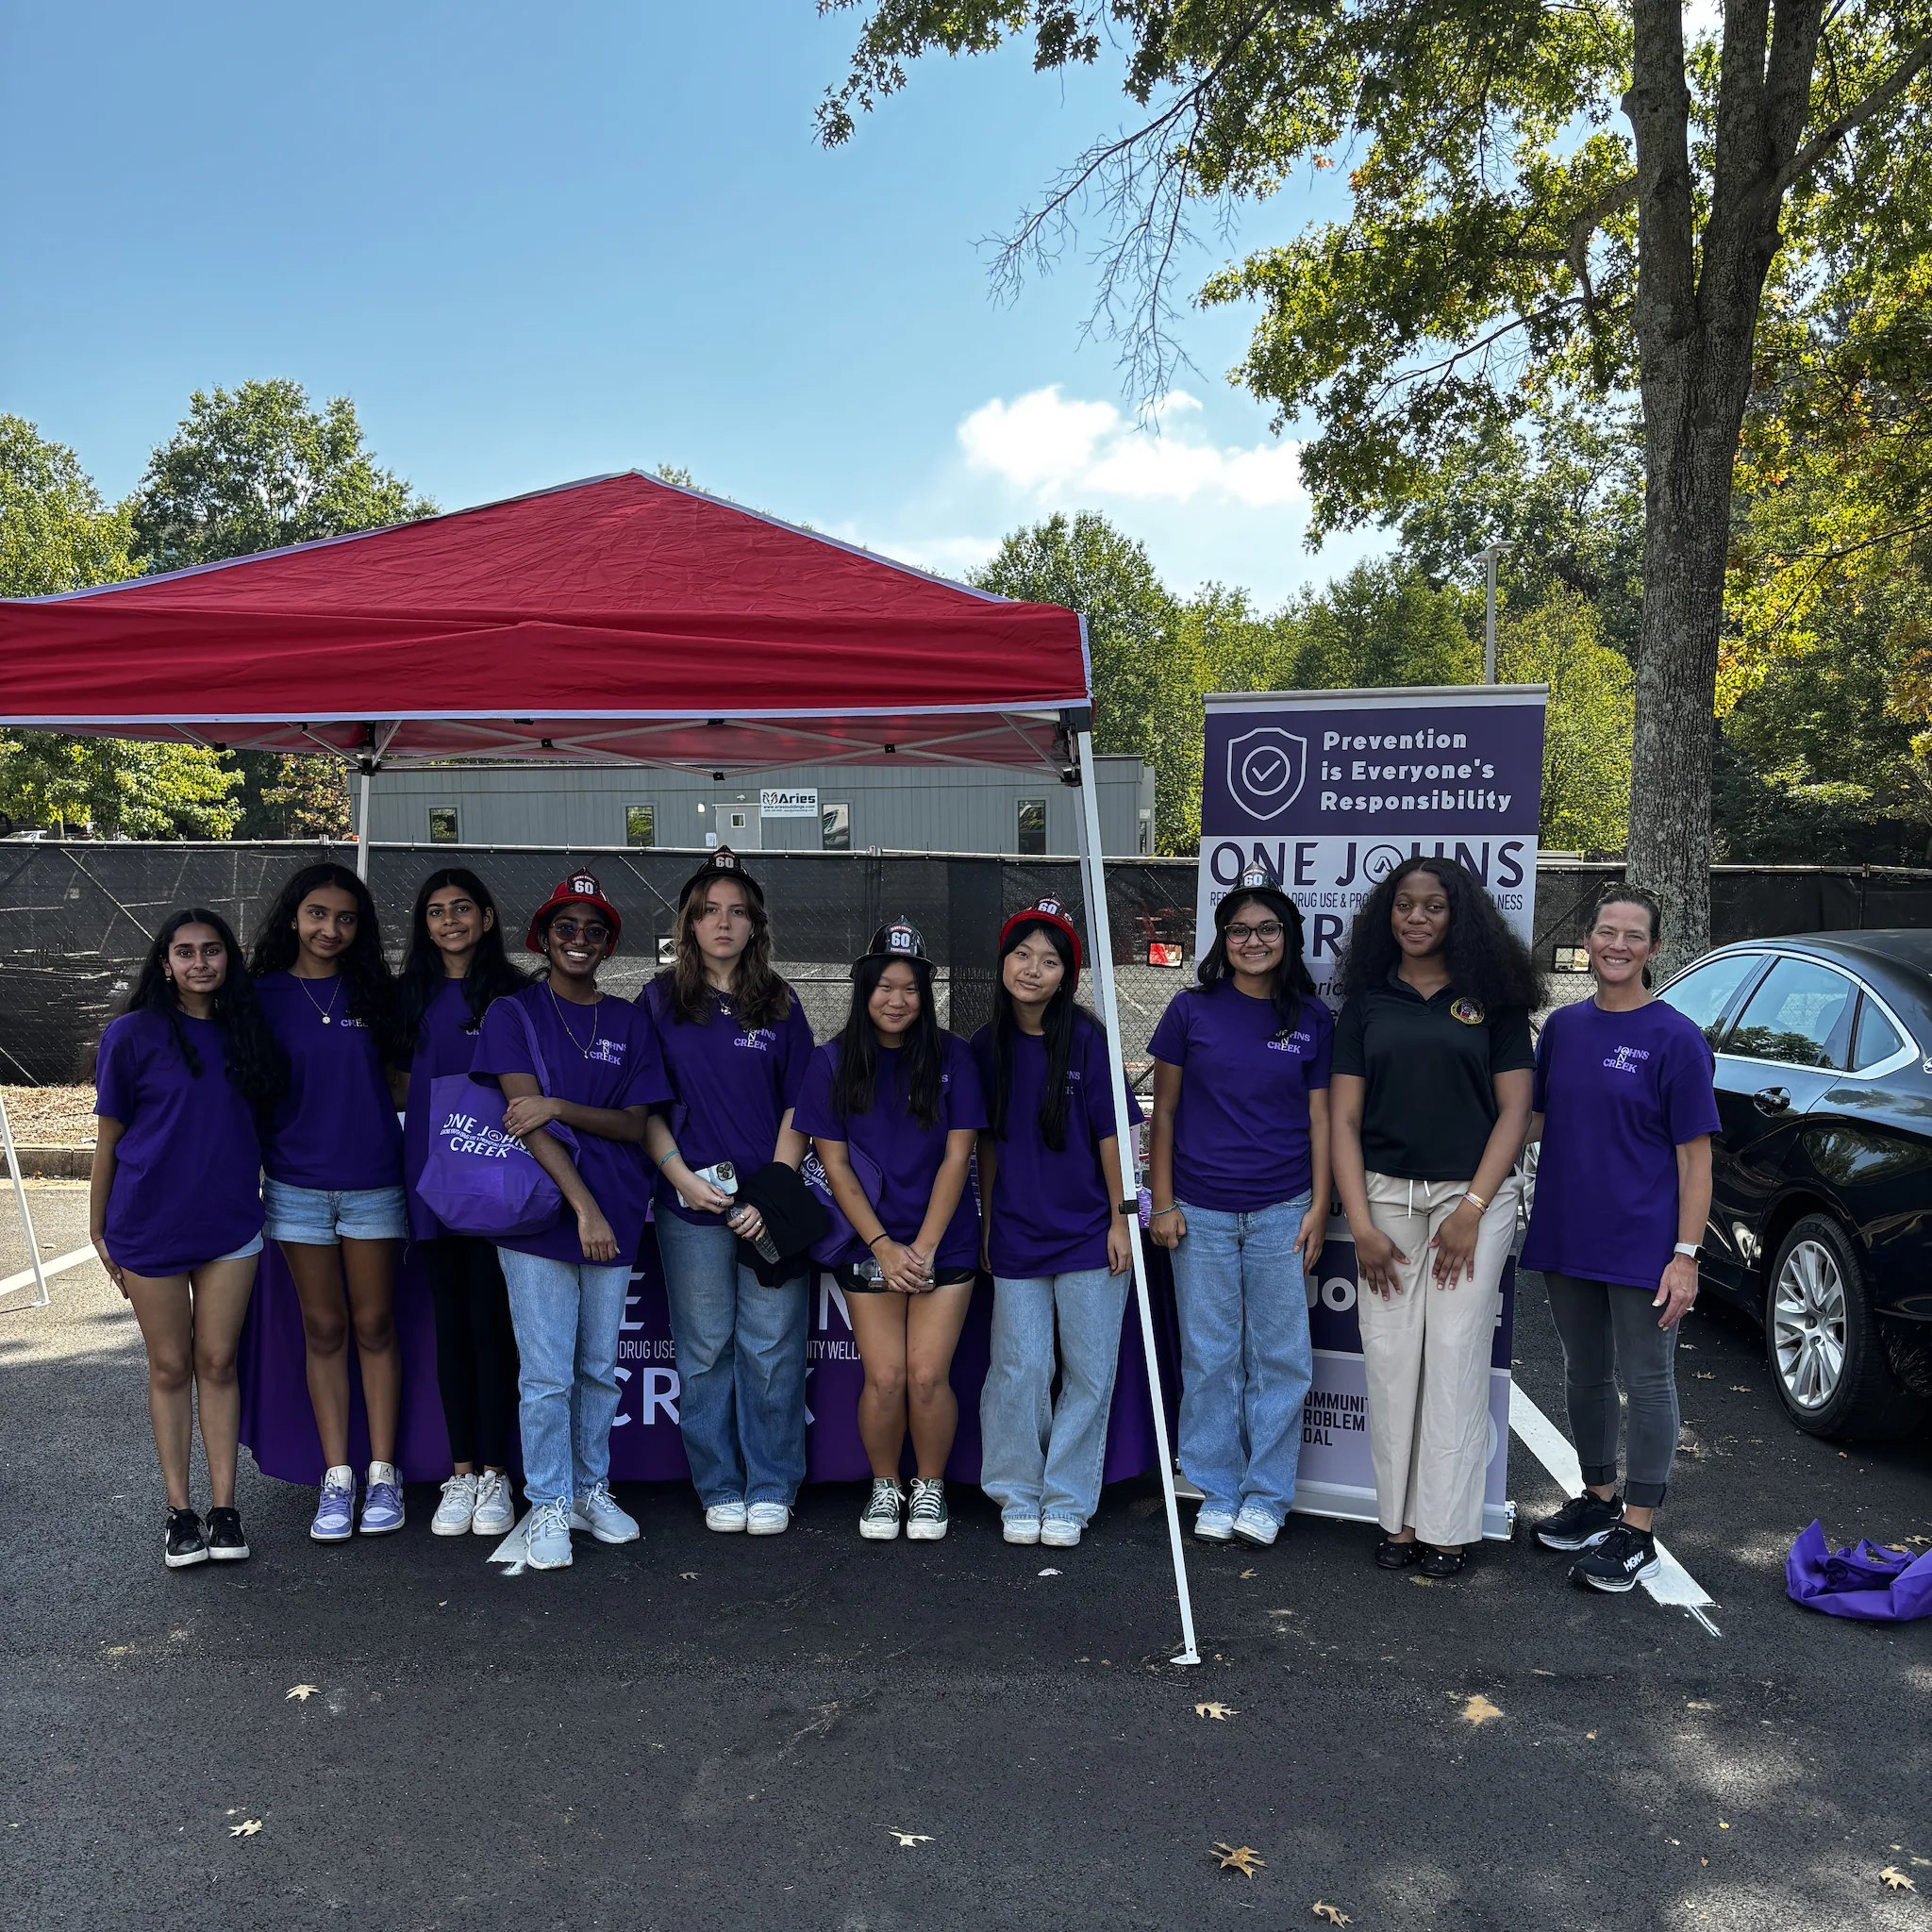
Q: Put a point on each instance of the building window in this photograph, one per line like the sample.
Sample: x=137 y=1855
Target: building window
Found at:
x=835 y=828
x=641 y=824
x=738 y=821
x=443 y=824
x=1032 y=840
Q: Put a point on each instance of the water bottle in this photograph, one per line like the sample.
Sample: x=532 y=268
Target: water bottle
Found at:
x=762 y=1242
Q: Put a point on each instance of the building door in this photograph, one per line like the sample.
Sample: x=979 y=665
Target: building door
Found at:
x=737 y=827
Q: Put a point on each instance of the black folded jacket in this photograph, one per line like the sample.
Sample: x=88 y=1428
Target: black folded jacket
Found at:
x=795 y=1219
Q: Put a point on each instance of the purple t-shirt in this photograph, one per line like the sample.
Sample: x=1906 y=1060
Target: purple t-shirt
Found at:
x=336 y=1128
x=188 y=1169
x=447 y=1046
x=909 y=1156
x=600 y=1056
x=1050 y=1211
x=1241 y=1131
x=733 y=1084
x=1619 y=1093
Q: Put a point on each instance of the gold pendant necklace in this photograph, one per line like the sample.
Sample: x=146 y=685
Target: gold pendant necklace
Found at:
x=583 y=1047
x=335 y=987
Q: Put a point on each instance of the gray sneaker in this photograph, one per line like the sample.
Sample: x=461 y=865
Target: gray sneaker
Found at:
x=549 y=1537
x=880 y=1521
x=597 y=1510
x=926 y=1521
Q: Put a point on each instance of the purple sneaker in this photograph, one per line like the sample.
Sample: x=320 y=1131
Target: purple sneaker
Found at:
x=335 y=1511
x=382 y=1502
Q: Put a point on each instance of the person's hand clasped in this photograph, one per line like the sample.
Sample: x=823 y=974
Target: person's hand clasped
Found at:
x=1455 y=1245
x=594 y=1236
x=1376 y=1260
x=1676 y=1294
x=530 y=1111
x=905 y=1269
x=1169 y=1227
x=113 y=1267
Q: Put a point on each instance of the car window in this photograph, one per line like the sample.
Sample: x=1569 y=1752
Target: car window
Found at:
x=1795 y=1014
x=1875 y=1040
x=1704 y=992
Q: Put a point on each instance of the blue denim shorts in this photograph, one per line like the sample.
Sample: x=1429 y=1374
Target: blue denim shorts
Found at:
x=242 y=1253
x=321 y=1217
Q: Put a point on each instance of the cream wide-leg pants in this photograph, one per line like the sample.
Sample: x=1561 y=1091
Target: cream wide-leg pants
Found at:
x=1426 y=1352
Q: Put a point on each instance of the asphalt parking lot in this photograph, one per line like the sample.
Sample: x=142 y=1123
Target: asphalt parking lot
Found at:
x=700 y=1731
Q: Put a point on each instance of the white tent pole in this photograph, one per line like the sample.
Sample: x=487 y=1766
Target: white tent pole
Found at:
x=362 y=830
x=26 y=1220
x=1094 y=881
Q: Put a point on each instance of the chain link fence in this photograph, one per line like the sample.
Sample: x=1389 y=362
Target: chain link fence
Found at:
x=77 y=917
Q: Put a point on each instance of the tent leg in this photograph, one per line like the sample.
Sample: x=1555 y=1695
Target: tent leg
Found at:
x=1094 y=880
x=362 y=830
x=26 y=1220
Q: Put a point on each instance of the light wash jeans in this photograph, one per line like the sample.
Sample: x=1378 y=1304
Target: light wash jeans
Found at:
x=566 y=1316
x=1040 y=1458
x=1245 y=1359
x=741 y=1367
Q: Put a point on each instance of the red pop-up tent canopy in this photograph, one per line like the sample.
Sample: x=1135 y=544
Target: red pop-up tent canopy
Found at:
x=621 y=619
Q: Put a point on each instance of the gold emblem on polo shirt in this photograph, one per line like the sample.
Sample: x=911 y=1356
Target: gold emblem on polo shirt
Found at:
x=1468 y=1011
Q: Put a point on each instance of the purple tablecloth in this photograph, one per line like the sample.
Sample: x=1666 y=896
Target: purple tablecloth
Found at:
x=279 y=1428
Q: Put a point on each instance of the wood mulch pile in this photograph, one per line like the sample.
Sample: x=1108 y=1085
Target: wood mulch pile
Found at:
x=50 y=1116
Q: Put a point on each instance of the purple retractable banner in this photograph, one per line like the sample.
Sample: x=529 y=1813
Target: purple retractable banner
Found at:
x=1331 y=790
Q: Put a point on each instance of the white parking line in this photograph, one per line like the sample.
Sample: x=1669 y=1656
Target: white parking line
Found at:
x=513 y=1552
x=58 y=1265
x=1674 y=1585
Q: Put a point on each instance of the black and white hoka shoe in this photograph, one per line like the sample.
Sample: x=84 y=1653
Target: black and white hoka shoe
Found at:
x=184 y=1544
x=1581 y=1523
x=1624 y=1559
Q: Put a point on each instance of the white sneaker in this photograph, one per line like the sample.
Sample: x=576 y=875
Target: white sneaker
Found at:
x=1255 y=1526
x=1058 y=1534
x=767 y=1519
x=1020 y=1529
x=1214 y=1526
x=549 y=1537
x=597 y=1510
x=457 y=1510
x=727 y=1519
x=496 y=1505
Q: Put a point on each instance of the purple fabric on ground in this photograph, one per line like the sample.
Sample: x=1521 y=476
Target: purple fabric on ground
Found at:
x=1866 y=1581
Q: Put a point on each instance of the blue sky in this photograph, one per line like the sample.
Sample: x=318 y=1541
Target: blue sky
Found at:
x=535 y=243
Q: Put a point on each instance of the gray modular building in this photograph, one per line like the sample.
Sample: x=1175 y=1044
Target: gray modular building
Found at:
x=895 y=808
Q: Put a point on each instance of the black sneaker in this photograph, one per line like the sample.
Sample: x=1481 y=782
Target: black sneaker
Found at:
x=1623 y=1559
x=1581 y=1523
x=185 y=1545
x=226 y=1541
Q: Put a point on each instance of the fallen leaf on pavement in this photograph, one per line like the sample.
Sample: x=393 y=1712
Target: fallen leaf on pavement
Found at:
x=1243 y=1858
x=1741 y=1388
x=1246 y=1574
x=1049 y=1572
x=1479 y=1710
x=910 y=1838
x=1700 y=1707
x=1590 y=1734
x=1334 y=1914
x=1892 y=1876
x=300 y=1692
x=1703 y=1375
x=249 y=1827
x=689 y=1575
x=1218 y=1711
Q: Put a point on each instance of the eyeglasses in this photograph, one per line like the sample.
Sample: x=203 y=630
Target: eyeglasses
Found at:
x=592 y=929
x=1267 y=932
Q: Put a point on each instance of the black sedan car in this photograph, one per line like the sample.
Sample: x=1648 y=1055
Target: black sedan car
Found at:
x=1820 y=1213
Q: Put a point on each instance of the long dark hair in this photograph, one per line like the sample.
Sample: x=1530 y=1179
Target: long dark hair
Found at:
x=1293 y=981
x=921 y=1056
x=763 y=998
x=490 y=976
x=372 y=987
x=257 y=1066
x=1487 y=962
x=1061 y=1017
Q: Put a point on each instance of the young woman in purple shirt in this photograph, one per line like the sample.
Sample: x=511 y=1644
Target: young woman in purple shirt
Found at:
x=902 y=1097
x=182 y=1079
x=1051 y=1184
x=565 y=1052
x=1239 y=1165
x=455 y=967
x=332 y=1172
x=736 y=1044
x=1624 y=1110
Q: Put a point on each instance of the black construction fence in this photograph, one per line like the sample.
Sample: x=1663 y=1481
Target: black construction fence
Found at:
x=75 y=917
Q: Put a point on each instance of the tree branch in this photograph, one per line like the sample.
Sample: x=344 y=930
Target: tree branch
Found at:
x=1827 y=138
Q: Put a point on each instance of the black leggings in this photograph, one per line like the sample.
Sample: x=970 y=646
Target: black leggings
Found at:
x=476 y=1348
x=1609 y=1333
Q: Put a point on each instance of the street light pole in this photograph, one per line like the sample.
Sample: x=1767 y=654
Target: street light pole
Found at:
x=1489 y=557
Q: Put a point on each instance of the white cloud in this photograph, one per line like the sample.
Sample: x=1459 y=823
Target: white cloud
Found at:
x=1055 y=448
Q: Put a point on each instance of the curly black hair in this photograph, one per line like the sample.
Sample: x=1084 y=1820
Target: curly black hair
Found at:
x=1293 y=983
x=372 y=987
x=1487 y=962
x=490 y=976
x=257 y=1066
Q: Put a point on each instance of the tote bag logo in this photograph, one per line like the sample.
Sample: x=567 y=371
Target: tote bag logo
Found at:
x=1266 y=769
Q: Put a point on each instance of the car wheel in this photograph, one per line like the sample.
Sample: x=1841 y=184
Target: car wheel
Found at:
x=1826 y=1359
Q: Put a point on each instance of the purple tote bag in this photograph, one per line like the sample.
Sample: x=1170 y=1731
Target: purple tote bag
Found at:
x=826 y=1250
x=480 y=1180
x=1866 y=1581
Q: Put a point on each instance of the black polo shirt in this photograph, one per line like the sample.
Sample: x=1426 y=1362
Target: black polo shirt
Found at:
x=1430 y=1065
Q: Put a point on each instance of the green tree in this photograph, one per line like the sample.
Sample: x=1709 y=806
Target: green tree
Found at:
x=57 y=534
x=255 y=467
x=1542 y=197
x=1384 y=625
